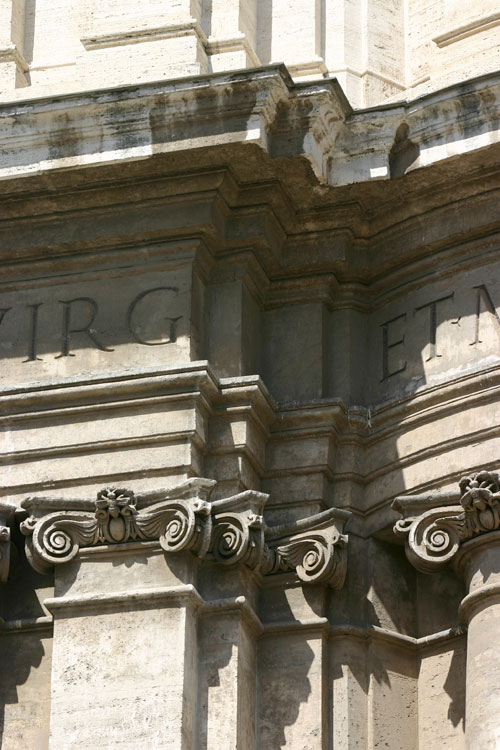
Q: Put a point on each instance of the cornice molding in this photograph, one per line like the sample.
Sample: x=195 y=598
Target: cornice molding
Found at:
x=434 y=532
x=230 y=531
x=262 y=106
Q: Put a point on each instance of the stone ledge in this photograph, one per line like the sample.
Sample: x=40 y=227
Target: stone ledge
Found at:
x=261 y=106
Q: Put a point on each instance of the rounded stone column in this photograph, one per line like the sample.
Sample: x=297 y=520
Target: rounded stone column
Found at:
x=479 y=562
x=464 y=530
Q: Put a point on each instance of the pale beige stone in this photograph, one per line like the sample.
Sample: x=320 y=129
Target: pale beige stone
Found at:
x=378 y=50
x=217 y=266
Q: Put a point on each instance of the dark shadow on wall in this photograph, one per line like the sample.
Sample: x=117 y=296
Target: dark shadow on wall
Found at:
x=264 y=30
x=404 y=152
x=393 y=363
x=289 y=676
x=29 y=30
x=455 y=685
x=20 y=654
x=22 y=651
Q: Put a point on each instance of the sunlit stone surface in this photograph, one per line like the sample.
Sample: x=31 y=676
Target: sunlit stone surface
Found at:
x=250 y=343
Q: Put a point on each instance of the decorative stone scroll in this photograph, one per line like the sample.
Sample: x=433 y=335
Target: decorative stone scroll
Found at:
x=177 y=524
x=315 y=547
x=433 y=538
x=230 y=531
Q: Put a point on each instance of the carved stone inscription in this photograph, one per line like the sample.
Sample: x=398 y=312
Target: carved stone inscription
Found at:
x=439 y=329
x=90 y=326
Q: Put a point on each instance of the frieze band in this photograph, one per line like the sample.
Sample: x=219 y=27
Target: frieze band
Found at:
x=229 y=531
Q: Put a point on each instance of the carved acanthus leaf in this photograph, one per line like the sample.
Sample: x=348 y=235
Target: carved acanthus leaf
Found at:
x=432 y=539
x=57 y=537
x=238 y=531
x=178 y=525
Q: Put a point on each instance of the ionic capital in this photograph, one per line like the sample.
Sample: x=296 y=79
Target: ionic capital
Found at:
x=229 y=531
x=434 y=528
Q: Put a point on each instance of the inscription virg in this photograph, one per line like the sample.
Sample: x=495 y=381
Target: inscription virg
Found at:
x=76 y=321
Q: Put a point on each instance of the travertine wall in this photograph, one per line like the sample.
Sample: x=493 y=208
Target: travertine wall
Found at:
x=262 y=315
x=378 y=49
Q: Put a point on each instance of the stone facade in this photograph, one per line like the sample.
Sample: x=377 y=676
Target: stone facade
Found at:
x=250 y=341
x=378 y=49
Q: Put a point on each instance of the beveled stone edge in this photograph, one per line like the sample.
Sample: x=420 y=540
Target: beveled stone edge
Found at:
x=475 y=600
x=183 y=593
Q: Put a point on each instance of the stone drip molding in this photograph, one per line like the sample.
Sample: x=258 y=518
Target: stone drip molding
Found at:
x=435 y=536
x=229 y=531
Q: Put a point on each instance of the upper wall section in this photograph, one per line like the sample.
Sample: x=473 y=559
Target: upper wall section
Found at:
x=378 y=49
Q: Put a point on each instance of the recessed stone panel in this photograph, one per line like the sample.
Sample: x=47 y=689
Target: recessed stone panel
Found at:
x=436 y=332
x=119 y=320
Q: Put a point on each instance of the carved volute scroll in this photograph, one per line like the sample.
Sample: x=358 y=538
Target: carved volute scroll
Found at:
x=238 y=535
x=433 y=538
x=229 y=531
x=315 y=547
x=181 y=523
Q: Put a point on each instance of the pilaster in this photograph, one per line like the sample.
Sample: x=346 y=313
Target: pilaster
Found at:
x=13 y=66
x=465 y=532
x=232 y=34
x=155 y=622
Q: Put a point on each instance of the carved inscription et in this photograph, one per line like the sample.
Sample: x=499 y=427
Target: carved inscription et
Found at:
x=443 y=332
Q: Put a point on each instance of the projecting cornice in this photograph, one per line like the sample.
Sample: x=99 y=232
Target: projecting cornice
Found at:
x=261 y=106
x=434 y=532
x=229 y=531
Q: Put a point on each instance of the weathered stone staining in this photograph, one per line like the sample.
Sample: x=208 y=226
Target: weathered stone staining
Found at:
x=86 y=309
x=58 y=328
x=249 y=294
x=227 y=537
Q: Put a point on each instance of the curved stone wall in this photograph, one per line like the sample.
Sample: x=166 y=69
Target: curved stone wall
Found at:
x=378 y=50
x=238 y=318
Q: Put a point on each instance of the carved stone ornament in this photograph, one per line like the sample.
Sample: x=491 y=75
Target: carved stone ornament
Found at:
x=230 y=531
x=6 y=516
x=433 y=538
